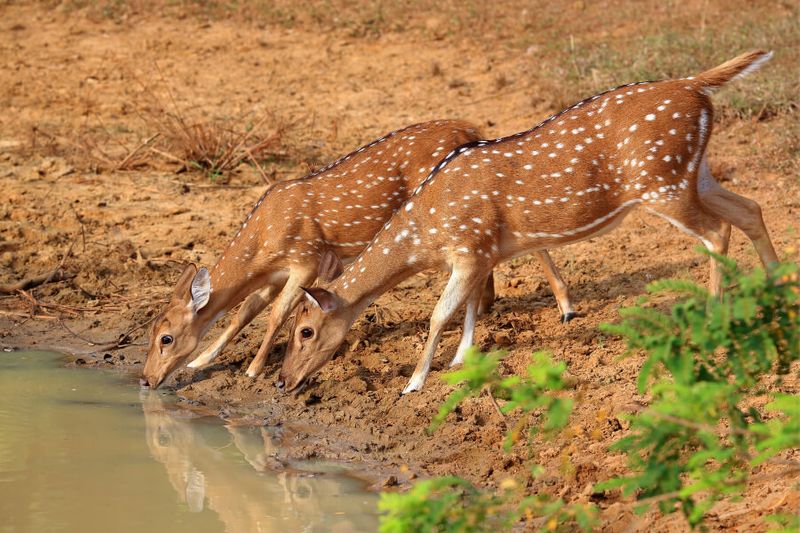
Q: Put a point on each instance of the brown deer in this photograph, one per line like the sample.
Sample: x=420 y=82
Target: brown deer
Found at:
x=294 y=228
x=574 y=176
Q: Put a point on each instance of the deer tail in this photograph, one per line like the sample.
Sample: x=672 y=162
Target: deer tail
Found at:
x=736 y=68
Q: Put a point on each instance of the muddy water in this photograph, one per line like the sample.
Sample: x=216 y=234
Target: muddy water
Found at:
x=87 y=451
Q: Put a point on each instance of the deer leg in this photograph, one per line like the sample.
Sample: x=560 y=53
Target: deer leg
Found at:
x=488 y=296
x=712 y=231
x=252 y=306
x=742 y=212
x=723 y=239
x=558 y=285
x=462 y=282
x=470 y=318
x=289 y=297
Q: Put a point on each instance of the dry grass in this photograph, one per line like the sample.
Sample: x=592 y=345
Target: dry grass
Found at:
x=194 y=140
x=582 y=47
x=577 y=48
x=217 y=147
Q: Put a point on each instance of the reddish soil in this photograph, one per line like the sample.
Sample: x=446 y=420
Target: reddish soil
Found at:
x=75 y=81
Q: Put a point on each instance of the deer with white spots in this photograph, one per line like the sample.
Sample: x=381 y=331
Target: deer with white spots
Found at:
x=296 y=228
x=573 y=177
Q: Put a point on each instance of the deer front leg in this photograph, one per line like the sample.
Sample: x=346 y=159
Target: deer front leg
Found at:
x=252 y=306
x=557 y=284
x=461 y=284
x=288 y=299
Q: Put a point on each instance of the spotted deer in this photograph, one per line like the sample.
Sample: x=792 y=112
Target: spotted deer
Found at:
x=572 y=177
x=296 y=227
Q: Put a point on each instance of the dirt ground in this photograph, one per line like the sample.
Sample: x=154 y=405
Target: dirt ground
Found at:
x=75 y=86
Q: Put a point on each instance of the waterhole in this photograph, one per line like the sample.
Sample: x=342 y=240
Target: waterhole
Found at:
x=88 y=451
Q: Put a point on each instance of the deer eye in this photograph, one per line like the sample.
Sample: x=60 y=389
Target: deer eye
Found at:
x=306 y=333
x=166 y=339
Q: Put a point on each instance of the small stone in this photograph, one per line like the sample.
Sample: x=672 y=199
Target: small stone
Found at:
x=502 y=338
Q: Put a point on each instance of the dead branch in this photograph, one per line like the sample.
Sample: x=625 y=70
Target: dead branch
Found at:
x=83 y=227
x=27 y=315
x=53 y=276
x=123 y=341
x=34 y=281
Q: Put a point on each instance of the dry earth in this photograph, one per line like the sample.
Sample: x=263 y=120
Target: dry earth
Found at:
x=75 y=90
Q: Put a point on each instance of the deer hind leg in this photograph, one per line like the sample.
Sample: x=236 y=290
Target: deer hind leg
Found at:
x=712 y=231
x=488 y=297
x=474 y=301
x=462 y=283
x=252 y=306
x=558 y=285
x=287 y=300
x=742 y=212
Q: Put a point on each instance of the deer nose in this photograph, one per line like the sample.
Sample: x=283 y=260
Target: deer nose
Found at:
x=143 y=382
x=280 y=384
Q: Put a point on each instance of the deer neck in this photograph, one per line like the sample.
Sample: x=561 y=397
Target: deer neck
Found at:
x=370 y=275
x=238 y=272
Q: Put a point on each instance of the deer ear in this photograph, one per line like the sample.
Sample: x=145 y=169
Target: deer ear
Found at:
x=184 y=282
x=323 y=299
x=330 y=267
x=201 y=289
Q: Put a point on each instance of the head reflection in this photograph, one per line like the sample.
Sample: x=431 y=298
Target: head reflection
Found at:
x=233 y=471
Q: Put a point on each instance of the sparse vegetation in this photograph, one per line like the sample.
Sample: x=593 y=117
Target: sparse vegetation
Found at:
x=453 y=504
x=697 y=442
x=571 y=59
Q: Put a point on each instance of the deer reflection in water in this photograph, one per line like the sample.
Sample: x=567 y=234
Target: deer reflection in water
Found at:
x=233 y=474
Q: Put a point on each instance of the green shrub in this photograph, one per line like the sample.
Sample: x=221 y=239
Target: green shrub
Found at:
x=698 y=440
x=530 y=396
x=451 y=504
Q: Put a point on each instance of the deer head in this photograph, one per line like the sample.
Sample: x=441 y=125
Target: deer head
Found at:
x=176 y=332
x=318 y=330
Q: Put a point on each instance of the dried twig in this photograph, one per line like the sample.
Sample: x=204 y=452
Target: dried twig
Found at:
x=27 y=315
x=54 y=275
x=264 y=176
x=216 y=146
x=212 y=186
x=121 y=165
x=495 y=404
x=123 y=341
x=69 y=309
x=170 y=156
x=83 y=227
x=34 y=281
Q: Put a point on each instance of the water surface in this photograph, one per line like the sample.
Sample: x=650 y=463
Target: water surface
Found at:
x=87 y=451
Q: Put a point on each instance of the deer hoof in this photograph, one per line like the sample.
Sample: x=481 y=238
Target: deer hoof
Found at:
x=566 y=317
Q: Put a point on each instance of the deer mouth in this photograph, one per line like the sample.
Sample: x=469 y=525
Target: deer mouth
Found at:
x=300 y=387
x=295 y=388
